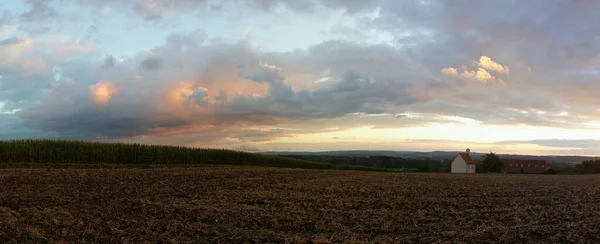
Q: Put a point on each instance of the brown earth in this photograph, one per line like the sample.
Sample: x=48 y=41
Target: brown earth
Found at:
x=274 y=205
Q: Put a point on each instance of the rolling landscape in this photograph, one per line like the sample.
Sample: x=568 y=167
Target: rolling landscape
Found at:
x=84 y=192
x=299 y=121
x=437 y=155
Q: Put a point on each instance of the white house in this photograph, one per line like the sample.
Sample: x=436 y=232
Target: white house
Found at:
x=463 y=163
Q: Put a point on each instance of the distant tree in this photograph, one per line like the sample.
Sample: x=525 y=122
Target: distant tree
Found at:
x=589 y=166
x=491 y=163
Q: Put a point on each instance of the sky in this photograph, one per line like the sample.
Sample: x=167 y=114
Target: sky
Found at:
x=315 y=75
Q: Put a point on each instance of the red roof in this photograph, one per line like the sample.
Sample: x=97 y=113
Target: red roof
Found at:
x=528 y=166
x=467 y=158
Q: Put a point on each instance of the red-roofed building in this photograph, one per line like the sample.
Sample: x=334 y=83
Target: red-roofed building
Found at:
x=528 y=166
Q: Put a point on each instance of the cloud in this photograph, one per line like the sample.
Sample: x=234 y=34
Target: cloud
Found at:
x=31 y=66
x=449 y=71
x=12 y=41
x=159 y=9
x=39 y=11
x=102 y=92
x=480 y=75
x=109 y=61
x=559 y=143
x=6 y=111
x=204 y=87
x=63 y=46
x=200 y=96
x=151 y=63
x=197 y=87
x=222 y=96
x=15 y=51
x=266 y=73
x=433 y=62
x=487 y=63
x=106 y=11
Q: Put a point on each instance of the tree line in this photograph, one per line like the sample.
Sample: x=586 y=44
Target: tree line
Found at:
x=586 y=167
x=386 y=162
x=490 y=163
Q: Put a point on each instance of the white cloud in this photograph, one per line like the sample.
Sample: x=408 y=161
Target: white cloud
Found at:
x=4 y=111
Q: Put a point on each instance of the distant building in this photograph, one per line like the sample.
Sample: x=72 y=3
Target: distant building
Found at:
x=463 y=163
x=527 y=166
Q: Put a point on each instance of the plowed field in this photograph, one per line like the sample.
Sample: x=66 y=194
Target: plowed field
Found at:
x=274 y=205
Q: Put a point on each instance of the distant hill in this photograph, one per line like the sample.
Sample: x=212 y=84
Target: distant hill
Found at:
x=437 y=155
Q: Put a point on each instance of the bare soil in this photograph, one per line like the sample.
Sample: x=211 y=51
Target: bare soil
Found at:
x=274 y=205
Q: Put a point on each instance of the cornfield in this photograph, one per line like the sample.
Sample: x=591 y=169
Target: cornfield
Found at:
x=81 y=152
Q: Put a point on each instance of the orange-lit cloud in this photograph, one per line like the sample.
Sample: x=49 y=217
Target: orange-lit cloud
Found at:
x=450 y=71
x=185 y=98
x=180 y=93
x=102 y=92
x=487 y=63
x=480 y=75
x=480 y=71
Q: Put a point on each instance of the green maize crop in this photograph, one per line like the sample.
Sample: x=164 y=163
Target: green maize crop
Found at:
x=81 y=152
